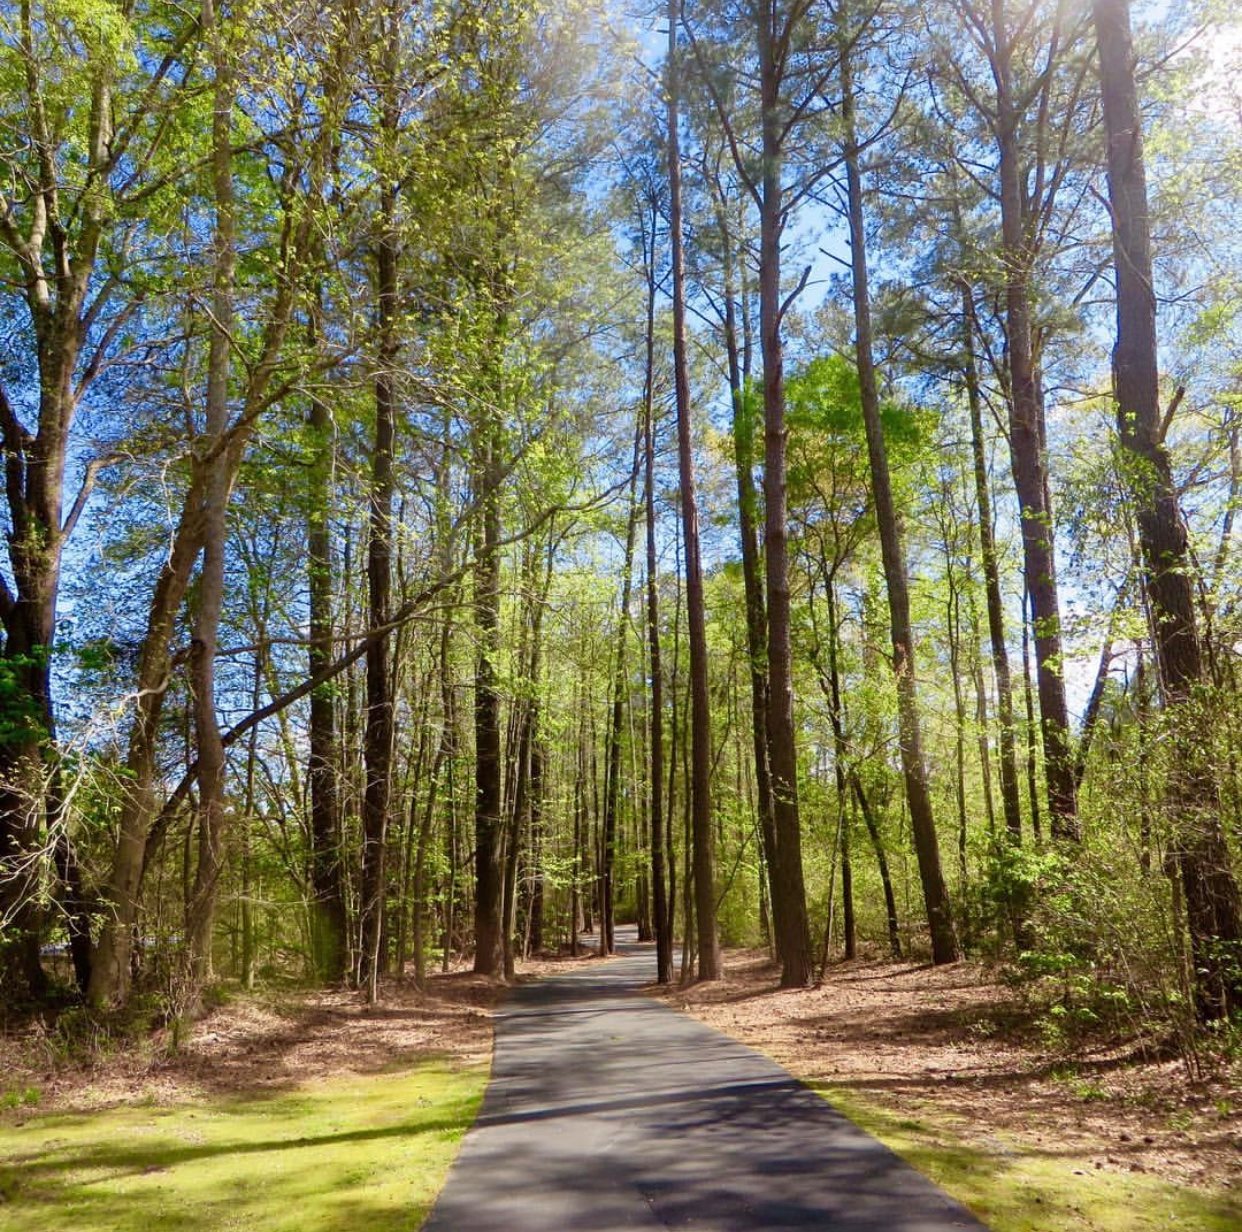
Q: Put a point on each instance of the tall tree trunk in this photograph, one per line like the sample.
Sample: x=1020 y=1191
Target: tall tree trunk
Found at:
x=200 y=910
x=914 y=768
x=737 y=352
x=789 y=898
x=378 y=732
x=1026 y=437
x=57 y=271
x=1032 y=739
x=661 y=855
x=612 y=763
x=489 y=875
x=700 y=703
x=328 y=926
x=1011 y=804
x=840 y=755
x=953 y=628
x=110 y=967
x=1213 y=914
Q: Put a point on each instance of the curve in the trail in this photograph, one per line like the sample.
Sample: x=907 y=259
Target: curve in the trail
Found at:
x=609 y=1110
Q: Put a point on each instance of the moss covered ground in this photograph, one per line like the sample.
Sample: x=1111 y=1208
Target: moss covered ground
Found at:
x=1015 y=1188
x=345 y=1152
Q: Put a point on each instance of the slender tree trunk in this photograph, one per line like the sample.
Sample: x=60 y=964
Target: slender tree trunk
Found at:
x=576 y=921
x=612 y=763
x=789 y=900
x=700 y=703
x=747 y=510
x=1011 y=804
x=443 y=747
x=1032 y=740
x=886 y=880
x=840 y=756
x=1026 y=438
x=914 y=768
x=661 y=855
x=378 y=731
x=489 y=875
x=983 y=744
x=954 y=630
x=1213 y=912
x=1091 y=716
x=329 y=943
x=200 y=909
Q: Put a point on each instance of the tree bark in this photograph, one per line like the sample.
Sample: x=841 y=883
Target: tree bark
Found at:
x=489 y=875
x=1213 y=914
x=34 y=475
x=612 y=762
x=328 y=927
x=1011 y=804
x=789 y=900
x=709 y=967
x=200 y=909
x=660 y=853
x=756 y=615
x=378 y=731
x=1026 y=435
x=914 y=768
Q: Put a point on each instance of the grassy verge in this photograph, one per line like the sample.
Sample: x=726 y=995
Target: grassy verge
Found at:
x=1013 y=1187
x=345 y=1152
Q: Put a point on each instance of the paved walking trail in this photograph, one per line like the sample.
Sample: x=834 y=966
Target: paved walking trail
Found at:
x=609 y=1110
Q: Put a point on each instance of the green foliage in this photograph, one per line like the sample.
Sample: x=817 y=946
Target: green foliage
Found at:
x=21 y=717
x=20 y=1097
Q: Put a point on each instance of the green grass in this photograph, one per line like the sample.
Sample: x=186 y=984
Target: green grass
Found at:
x=344 y=1153
x=1015 y=1188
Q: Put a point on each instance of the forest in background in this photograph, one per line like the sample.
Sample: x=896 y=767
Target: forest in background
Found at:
x=476 y=471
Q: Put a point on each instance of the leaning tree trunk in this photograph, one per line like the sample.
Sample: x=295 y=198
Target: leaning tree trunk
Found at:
x=1213 y=916
x=110 y=965
x=913 y=765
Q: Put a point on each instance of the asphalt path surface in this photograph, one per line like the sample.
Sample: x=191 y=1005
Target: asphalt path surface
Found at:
x=609 y=1110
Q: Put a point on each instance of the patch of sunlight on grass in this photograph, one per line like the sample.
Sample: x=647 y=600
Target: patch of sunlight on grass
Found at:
x=1013 y=1187
x=344 y=1153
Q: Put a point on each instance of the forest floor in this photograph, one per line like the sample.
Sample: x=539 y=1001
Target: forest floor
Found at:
x=280 y=1110
x=308 y=1110
x=949 y=1067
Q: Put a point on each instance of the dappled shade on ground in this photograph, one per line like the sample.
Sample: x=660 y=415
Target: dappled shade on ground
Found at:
x=346 y=1152
x=607 y=1110
x=952 y=1068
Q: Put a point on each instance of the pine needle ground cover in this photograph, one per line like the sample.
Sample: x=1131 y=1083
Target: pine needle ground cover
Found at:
x=1014 y=1187
x=281 y=1110
x=948 y=1068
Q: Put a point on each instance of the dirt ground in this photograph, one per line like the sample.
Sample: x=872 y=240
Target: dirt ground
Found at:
x=264 y=1042
x=912 y=1039
x=954 y=1041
